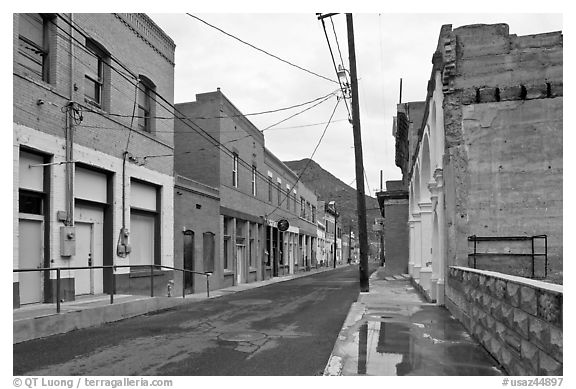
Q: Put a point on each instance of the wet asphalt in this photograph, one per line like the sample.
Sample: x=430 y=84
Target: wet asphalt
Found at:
x=287 y=328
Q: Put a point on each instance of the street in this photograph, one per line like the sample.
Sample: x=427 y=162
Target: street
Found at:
x=287 y=328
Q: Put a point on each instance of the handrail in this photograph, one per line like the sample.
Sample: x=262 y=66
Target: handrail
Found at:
x=113 y=279
x=532 y=254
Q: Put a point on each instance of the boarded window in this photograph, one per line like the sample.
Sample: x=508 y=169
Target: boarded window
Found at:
x=142 y=238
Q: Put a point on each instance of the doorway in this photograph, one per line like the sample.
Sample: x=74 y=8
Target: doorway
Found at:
x=240 y=252
x=30 y=257
x=188 y=259
x=89 y=227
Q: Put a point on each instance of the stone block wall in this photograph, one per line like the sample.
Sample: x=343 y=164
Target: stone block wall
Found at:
x=503 y=123
x=519 y=321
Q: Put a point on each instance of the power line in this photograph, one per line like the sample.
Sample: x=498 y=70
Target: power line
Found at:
x=312 y=156
x=226 y=117
x=132 y=116
x=261 y=50
x=369 y=190
x=306 y=125
x=334 y=63
x=199 y=130
x=338 y=46
x=297 y=113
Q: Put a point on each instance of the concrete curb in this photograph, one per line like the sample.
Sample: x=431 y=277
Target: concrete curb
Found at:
x=335 y=362
x=77 y=316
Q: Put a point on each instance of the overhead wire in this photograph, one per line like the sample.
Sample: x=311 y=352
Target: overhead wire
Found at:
x=261 y=50
x=335 y=68
x=338 y=46
x=199 y=130
x=311 y=156
x=298 y=113
x=228 y=116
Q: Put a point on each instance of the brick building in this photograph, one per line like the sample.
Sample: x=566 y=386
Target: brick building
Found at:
x=218 y=147
x=332 y=232
x=86 y=192
x=196 y=235
x=393 y=203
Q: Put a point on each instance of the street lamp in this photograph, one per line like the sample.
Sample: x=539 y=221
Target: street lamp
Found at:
x=343 y=79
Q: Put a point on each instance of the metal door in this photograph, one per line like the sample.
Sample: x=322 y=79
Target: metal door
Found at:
x=84 y=279
x=30 y=257
x=188 y=258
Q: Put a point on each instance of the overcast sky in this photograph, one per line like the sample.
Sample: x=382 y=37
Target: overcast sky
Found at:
x=388 y=47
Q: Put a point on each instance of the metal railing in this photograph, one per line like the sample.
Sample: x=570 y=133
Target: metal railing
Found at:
x=532 y=254
x=58 y=271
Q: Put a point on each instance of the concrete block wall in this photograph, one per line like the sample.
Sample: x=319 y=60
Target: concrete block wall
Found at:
x=503 y=111
x=518 y=321
x=513 y=171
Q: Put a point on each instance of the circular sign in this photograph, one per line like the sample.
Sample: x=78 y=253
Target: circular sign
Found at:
x=283 y=225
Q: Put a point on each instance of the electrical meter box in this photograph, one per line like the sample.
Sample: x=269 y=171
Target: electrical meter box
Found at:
x=67 y=241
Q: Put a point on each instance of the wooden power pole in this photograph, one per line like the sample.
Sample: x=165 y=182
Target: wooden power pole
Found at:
x=361 y=199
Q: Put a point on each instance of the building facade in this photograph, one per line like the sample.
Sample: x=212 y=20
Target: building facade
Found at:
x=333 y=234
x=483 y=159
x=218 y=147
x=393 y=203
x=196 y=236
x=86 y=193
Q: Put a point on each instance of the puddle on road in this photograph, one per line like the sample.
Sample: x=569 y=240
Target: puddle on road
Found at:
x=427 y=343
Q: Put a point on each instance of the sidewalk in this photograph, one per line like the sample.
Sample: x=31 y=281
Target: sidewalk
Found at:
x=41 y=320
x=393 y=331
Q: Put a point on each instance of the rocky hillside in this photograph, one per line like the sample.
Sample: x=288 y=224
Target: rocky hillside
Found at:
x=329 y=188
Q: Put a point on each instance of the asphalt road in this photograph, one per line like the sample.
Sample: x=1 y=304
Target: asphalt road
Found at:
x=287 y=328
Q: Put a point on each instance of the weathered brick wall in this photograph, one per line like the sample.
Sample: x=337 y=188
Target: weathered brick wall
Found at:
x=99 y=131
x=518 y=321
x=196 y=154
x=99 y=139
x=197 y=208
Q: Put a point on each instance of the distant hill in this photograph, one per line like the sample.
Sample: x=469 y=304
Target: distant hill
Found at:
x=329 y=188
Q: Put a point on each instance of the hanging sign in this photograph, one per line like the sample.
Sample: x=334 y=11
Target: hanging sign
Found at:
x=283 y=225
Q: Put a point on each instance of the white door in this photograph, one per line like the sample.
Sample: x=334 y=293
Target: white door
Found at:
x=83 y=279
x=30 y=257
x=89 y=249
x=239 y=262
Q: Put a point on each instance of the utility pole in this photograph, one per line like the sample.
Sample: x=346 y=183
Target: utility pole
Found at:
x=361 y=199
x=335 y=234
